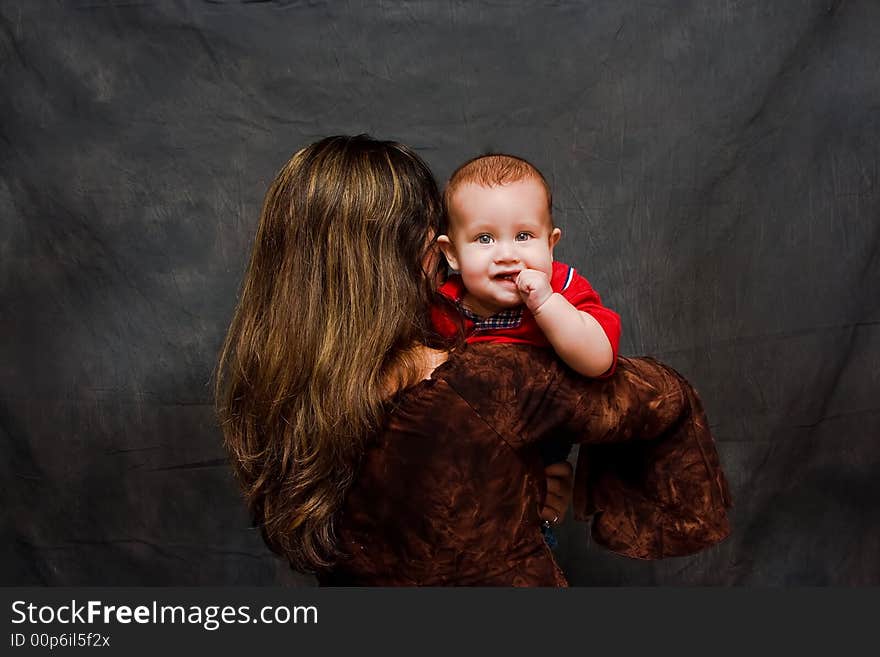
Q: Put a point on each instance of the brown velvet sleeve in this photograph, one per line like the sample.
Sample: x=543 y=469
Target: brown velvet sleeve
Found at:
x=662 y=497
x=648 y=471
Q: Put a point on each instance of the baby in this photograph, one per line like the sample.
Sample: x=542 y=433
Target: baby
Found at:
x=500 y=238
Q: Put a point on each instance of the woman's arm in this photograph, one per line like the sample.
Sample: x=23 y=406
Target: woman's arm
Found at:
x=648 y=470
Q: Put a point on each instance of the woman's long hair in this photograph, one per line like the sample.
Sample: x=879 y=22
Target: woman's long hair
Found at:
x=334 y=297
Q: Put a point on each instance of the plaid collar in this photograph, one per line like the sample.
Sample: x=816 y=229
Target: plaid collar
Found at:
x=506 y=319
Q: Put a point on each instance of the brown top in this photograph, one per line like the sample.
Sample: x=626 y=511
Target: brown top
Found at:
x=448 y=493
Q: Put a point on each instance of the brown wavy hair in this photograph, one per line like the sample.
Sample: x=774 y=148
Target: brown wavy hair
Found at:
x=333 y=302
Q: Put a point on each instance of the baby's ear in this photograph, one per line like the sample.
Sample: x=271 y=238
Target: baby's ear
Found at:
x=448 y=251
x=555 y=236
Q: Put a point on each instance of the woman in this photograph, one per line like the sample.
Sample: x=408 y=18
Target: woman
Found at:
x=372 y=456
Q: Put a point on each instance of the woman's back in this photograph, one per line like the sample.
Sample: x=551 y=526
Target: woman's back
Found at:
x=442 y=498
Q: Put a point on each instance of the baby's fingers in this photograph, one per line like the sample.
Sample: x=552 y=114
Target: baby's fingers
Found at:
x=560 y=477
x=554 y=509
x=525 y=281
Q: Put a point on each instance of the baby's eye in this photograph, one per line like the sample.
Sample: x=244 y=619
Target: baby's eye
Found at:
x=523 y=236
x=485 y=238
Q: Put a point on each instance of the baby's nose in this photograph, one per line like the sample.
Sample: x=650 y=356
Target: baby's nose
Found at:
x=506 y=253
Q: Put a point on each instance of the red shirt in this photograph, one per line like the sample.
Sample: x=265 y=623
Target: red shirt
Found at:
x=518 y=324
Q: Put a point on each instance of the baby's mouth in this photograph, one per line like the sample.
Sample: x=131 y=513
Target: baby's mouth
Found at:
x=507 y=276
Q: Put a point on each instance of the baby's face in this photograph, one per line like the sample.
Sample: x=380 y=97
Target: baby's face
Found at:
x=495 y=233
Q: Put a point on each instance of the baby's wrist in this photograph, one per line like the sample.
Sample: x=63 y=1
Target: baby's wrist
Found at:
x=539 y=307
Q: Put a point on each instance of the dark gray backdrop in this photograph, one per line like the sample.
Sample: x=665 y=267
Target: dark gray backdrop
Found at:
x=715 y=169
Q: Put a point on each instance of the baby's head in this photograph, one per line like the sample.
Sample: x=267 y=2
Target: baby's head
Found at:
x=498 y=223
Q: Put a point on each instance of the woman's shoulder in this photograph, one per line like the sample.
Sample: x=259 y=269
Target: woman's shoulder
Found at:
x=500 y=367
x=502 y=355
x=506 y=384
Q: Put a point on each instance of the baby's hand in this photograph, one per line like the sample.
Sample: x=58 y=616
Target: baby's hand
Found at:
x=534 y=288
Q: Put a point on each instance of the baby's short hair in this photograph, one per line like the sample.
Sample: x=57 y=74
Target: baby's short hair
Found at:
x=493 y=170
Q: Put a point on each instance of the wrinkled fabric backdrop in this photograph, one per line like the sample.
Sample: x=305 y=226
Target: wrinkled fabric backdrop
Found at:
x=715 y=171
